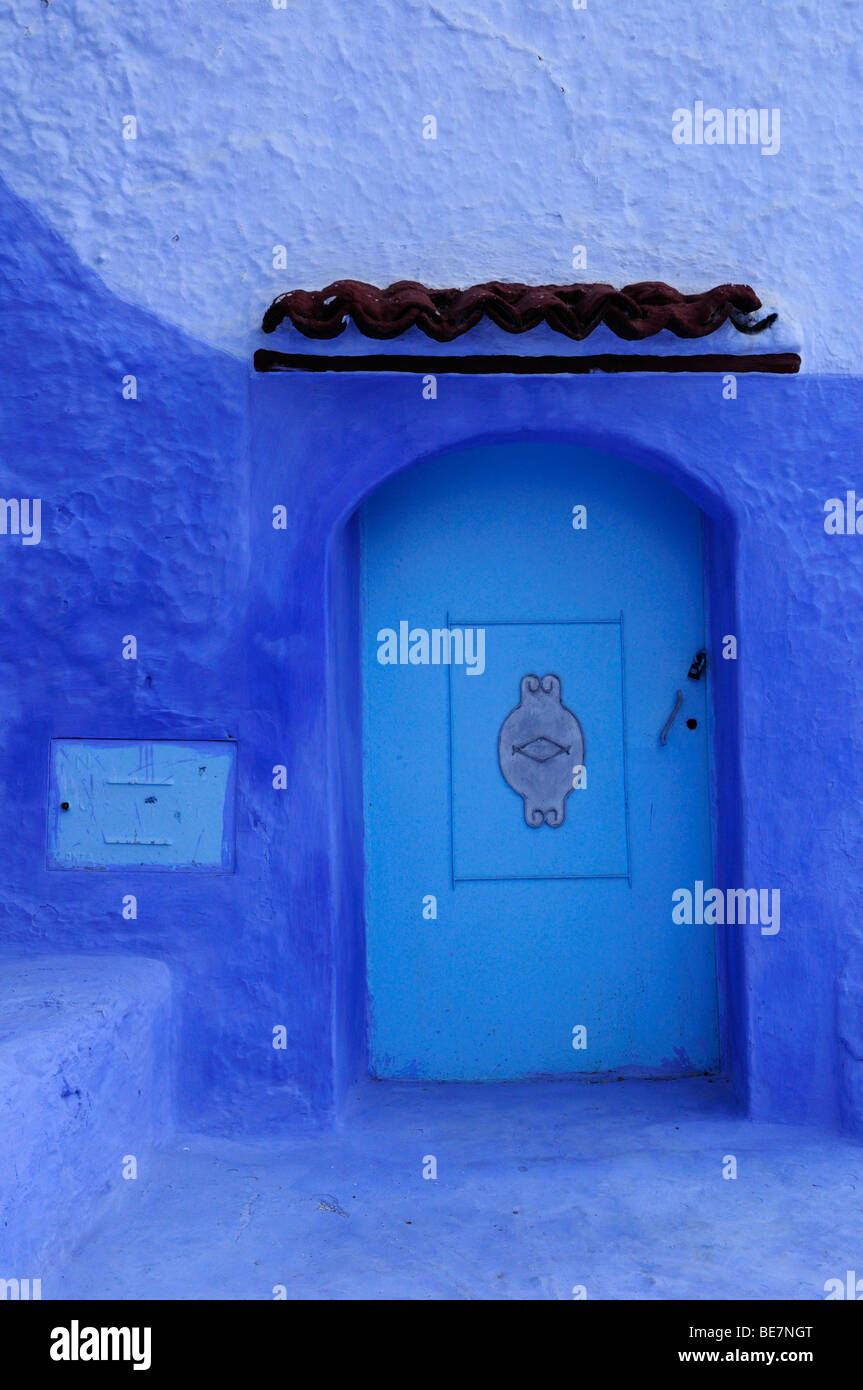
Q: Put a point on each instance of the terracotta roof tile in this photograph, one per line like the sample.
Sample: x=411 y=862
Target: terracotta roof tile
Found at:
x=635 y=312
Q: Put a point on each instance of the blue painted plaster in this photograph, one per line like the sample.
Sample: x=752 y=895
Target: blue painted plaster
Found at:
x=257 y=128
x=85 y=1068
x=760 y=467
x=302 y=127
x=158 y=520
x=545 y=1190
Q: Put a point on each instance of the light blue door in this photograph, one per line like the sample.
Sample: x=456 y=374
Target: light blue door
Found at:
x=529 y=613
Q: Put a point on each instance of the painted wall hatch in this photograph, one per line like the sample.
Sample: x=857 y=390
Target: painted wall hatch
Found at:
x=118 y=804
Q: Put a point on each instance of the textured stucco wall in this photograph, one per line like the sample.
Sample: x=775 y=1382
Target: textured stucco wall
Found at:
x=302 y=127
x=144 y=532
x=788 y=710
x=84 y=1067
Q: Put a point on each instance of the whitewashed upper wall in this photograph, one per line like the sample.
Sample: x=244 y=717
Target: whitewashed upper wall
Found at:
x=303 y=127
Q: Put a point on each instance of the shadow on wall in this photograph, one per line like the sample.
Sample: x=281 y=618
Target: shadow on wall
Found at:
x=135 y=438
x=154 y=525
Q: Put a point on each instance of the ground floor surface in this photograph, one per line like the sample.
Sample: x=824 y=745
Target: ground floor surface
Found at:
x=615 y=1188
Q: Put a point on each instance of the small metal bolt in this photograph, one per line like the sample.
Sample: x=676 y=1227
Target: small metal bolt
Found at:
x=64 y=805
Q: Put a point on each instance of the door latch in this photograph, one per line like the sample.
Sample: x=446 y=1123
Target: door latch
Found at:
x=698 y=666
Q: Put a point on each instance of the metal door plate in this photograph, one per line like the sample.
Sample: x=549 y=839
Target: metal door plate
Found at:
x=540 y=744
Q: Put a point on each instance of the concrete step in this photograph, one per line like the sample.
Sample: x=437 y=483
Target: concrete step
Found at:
x=84 y=1086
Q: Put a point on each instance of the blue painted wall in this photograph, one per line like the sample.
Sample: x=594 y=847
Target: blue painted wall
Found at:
x=158 y=521
x=761 y=468
x=145 y=532
x=157 y=512
x=302 y=127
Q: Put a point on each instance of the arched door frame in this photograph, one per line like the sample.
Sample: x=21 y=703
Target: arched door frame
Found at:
x=345 y=738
